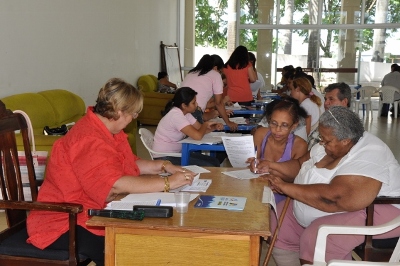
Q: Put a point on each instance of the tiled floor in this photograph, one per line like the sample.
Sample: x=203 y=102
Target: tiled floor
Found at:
x=386 y=128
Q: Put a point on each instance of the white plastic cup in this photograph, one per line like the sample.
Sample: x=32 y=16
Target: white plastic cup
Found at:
x=182 y=201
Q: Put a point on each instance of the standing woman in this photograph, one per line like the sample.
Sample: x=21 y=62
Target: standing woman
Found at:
x=260 y=83
x=206 y=80
x=177 y=123
x=302 y=91
x=239 y=74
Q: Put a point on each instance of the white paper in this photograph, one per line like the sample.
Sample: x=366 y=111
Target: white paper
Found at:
x=239 y=149
x=167 y=199
x=196 y=169
x=268 y=197
x=200 y=185
x=237 y=119
x=242 y=174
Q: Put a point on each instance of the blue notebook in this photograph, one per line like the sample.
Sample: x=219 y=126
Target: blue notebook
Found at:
x=221 y=202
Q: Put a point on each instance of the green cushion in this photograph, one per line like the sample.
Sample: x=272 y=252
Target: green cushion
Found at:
x=29 y=103
x=68 y=107
x=147 y=83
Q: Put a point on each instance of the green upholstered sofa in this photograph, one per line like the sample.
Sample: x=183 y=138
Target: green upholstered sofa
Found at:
x=54 y=108
x=154 y=102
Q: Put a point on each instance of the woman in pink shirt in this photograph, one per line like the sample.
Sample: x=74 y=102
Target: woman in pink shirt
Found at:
x=239 y=74
x=177 y=123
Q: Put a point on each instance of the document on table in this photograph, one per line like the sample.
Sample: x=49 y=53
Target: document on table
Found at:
x=237 y=119
x=235 y=106
x=127 y=203
x=242 y=174
x=196 y=169
x=239 y=149
x=268 y=197
x=209 y=138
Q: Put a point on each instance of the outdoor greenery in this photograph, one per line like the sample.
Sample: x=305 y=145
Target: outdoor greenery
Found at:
x=211 y=25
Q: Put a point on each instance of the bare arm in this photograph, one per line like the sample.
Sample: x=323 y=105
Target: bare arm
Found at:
x=222 y=112
x=286 y=170
x=151 y=183
x=252 y=74
x=343 y=193
x=197 y=130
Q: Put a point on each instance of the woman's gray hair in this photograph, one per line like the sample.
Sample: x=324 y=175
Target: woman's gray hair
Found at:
x=345 y=123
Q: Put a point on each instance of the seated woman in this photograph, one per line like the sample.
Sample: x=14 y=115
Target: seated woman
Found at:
x=164 y=85
x=302 y=91
x=333 y=184
x=177 y=123
x=277 y=142
x=92 y=165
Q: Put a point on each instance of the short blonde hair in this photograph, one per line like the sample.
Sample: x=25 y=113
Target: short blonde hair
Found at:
x=118 y=95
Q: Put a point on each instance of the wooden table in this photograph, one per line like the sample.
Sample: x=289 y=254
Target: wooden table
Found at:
x=198 y=237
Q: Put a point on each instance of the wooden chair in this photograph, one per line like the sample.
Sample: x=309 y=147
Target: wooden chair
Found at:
x=377 y=250
x=13 y=247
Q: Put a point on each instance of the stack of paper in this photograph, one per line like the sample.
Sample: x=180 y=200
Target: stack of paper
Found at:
x=242 y=174
x=198 y=185
x=127 y=203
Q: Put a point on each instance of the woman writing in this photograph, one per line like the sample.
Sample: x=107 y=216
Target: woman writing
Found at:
x=277 y=142
x=239 y=73
x=333 y=184
x=302 y=91
x=177 y=123
x=92 y=165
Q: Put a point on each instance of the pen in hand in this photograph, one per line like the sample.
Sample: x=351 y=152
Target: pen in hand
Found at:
x=255 y=160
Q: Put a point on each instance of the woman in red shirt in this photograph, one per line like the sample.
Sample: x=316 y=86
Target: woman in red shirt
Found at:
x=239 y=74
x=91 y=165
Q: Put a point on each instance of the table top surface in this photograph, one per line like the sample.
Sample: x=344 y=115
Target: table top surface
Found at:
x=253 y=220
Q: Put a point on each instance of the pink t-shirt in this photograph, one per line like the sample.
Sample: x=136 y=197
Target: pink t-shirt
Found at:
x=168 y=131
x=238 y=84
x=205 y=85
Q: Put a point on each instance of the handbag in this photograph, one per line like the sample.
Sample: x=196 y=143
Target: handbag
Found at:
x=56 y=131
x=39 y=159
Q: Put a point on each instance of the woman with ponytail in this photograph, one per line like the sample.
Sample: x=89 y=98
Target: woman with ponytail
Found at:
x=302 y=91
x=177 y=123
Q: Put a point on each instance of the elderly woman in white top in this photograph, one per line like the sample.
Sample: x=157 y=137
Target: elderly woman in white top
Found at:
x=333 y=184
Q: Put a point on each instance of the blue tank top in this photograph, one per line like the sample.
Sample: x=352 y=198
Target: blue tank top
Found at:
x=287 y=154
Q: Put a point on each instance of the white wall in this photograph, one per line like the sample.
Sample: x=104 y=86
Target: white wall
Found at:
x=78 y=45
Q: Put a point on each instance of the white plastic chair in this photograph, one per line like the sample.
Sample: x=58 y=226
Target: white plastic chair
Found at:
x=365 y=98
x=147 y=138
x=387 y=96
x=325 y=230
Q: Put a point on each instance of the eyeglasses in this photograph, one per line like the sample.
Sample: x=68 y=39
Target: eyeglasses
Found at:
x=323 y=142
x=283 y=127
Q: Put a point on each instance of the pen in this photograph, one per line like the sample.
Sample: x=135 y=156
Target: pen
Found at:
x=158 y=202
x=255 y=159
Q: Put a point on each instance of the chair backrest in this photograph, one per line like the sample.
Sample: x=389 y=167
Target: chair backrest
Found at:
x=147 y=138
x=10 y=174
x=388 y=93
x=147 y=83
x=366 y=92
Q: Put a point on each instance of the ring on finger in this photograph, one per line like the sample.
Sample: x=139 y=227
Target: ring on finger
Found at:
x=187 y=177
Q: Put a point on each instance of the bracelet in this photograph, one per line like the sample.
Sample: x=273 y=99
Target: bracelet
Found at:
x=164 y=165
x=166 y=185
